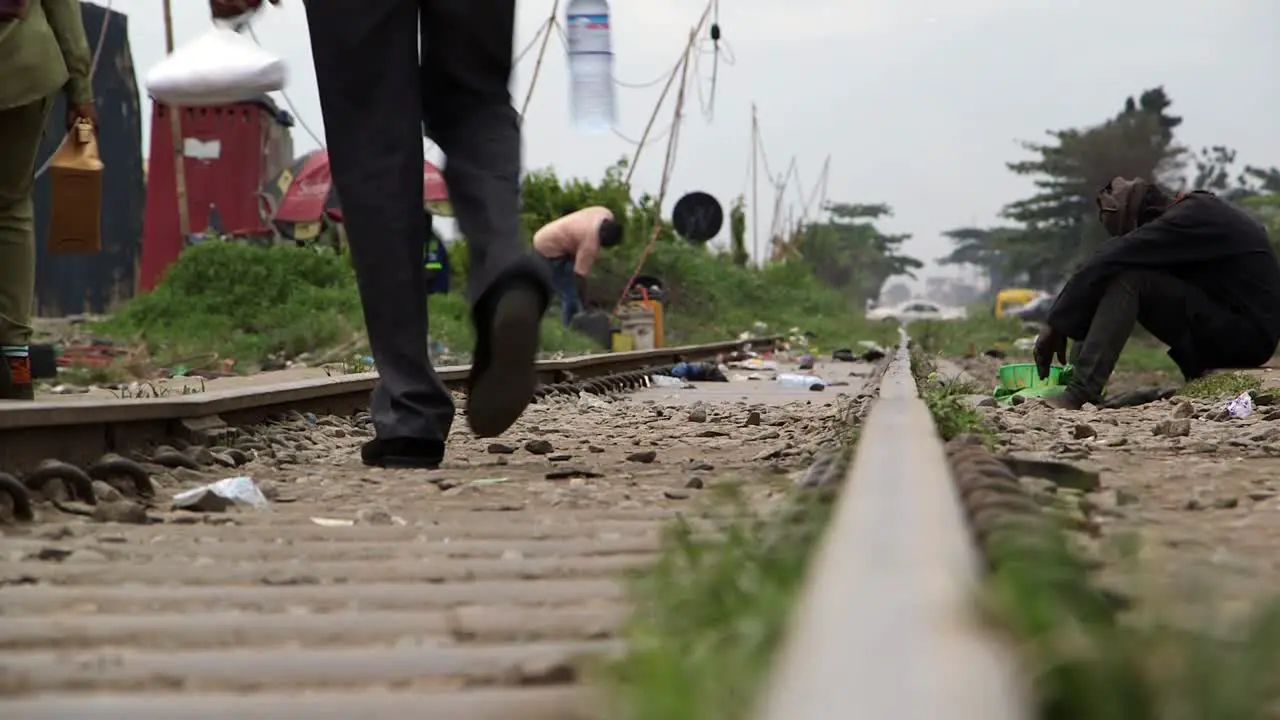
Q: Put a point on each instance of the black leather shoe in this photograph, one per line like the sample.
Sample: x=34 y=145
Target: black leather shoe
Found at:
x=403 y=453
x=503 y=375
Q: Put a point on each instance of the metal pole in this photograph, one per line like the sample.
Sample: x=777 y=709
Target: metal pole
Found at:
x=175 y=123
x=755 y=187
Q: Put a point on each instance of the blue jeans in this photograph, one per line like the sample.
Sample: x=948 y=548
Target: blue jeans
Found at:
x=565 y=283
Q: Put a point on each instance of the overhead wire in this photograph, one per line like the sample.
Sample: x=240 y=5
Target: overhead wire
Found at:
x=293 y=108
x=537 y=66
x=667 y=167
x=315 y=137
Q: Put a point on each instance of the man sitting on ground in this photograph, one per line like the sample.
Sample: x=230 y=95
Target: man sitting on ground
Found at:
x=1195 y=271
x=571 y=245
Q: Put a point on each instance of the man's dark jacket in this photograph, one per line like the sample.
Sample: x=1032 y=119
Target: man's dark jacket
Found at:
x=1202 y=239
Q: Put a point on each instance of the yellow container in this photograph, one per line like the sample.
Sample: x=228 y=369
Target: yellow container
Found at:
x=1013 y=296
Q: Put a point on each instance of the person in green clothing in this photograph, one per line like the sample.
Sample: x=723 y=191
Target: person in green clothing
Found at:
x=43 y=52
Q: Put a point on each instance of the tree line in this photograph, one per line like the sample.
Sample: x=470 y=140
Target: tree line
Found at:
x=1044 y=236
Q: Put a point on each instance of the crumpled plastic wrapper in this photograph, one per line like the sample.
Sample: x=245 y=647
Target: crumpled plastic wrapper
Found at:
x=1241 y=407
x=217 y=497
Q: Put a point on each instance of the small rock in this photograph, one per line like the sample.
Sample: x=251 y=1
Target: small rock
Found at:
x=1081 y=431
x=711 y=434
x=570 y=473
x=1261 y=495
x=695 y=483
x=594 y=449
x=644 y=456
x=1183 y=410
x=675 y=495
x=1180 y=427
x=374 y=516
x=698 y=415
x=125 y=512
x=559 y=457
x=539 y=447
x=753 y=419
x=105 y=492
x=500 y=449
x=1226 y=503
x=1124 y=497
x=86 y=556
x=188 y=475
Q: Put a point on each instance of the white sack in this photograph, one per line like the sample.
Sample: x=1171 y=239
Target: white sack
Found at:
x=221 y=66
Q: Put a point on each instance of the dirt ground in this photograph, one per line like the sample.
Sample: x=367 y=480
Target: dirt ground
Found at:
x=1189 y=508
x=470 y=591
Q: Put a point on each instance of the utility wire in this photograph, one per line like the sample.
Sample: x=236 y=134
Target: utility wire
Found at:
x=542 y=53
x=293 y=108
x=667 y=167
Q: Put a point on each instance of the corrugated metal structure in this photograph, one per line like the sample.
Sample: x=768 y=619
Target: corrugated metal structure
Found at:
x=229 y=153
x=72 y=284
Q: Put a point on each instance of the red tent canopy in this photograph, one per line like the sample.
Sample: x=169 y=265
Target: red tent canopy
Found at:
x=308 y=193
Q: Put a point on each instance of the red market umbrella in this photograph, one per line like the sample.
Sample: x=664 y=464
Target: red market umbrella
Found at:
x=304 y=193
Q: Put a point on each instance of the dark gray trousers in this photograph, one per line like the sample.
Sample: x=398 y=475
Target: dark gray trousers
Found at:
x=376 y=93
x=1202 y=334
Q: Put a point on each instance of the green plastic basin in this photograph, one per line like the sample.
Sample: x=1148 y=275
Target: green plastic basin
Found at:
x=1020 y=376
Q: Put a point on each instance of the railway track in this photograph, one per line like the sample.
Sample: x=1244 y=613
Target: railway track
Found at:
x=484 y=588
x=474 y=591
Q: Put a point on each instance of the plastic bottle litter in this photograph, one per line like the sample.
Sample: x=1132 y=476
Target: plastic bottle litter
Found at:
x=798 y=381
x=1241 y=407
x=591 y=64
x=665 y=381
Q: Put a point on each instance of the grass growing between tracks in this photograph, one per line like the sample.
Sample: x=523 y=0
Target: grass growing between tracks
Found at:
x=1090 y=657
x=947 y=399
x=711 y=614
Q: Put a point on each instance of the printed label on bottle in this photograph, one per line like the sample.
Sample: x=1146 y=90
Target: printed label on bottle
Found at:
x=588 y=34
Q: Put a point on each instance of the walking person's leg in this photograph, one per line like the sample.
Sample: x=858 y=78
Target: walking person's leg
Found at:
x=20 y=131
x=366 y=58
x=466 y=69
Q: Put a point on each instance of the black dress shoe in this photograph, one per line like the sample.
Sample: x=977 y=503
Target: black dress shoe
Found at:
x=503 y=375
x=408 y=453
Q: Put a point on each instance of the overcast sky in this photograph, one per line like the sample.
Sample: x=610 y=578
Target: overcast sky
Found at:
x=919 y=103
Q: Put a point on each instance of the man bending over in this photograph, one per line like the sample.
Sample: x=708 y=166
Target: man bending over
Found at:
x=571 y=245
x=1195 y=271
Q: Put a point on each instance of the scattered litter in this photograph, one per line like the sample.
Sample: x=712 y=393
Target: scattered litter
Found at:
x=1241 y=407
x=332 y=522
x=666 y=381
x=489 y=481
x=699 y=372
x=587 y=400
x=755 y=364
x=806 y=362
x=218 y=496
x=1026 y=343
x=796 y=380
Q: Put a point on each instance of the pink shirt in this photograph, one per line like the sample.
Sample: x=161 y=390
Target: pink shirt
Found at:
x=576 y=235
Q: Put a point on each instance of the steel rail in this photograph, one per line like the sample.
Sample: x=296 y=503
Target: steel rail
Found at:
x=886 y=626
x=77 y=431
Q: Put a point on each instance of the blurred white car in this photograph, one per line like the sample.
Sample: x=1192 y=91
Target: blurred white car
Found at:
x=917 y=310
